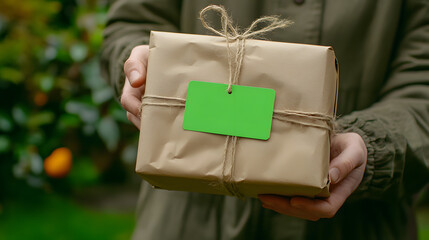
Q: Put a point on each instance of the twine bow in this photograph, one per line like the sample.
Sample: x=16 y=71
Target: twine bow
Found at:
x=231 y=33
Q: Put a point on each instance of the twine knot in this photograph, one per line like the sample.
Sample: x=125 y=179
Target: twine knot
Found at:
x=231 y=34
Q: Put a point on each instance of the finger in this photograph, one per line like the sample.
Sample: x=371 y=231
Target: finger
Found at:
x=136 y=65
x=291 y=212
x=134 y=120
x=322 y=208
x=351 y=157
x=282 y=205
x=340 y=142
x=130 y=99
x=328 y=207
x=336 y=146
x=307 y=208
x=311 y=209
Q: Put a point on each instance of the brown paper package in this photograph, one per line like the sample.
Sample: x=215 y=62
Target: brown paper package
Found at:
x=293 y=161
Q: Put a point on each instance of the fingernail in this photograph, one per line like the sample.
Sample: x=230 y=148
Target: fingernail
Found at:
x=134 y=76
x=335 y=174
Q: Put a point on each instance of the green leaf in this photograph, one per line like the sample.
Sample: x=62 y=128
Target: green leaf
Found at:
x=20 y=169
x=6 y=124
x=34 y=181
x=11 y=74
x=109 y=132
x=96 y=38
x=10 y=49
x=4 y=143
x=64 y=56
x=69 y=121
x=40 y=118
x=118 y=113
x=87 y=112
x=19 y=114
x=46 y=83
x=129 y=154
x=91 y=75
x=78 y=52
x=36 y=163
x=88 y=129
x=102 y=95
x=83 y=172
x=36 y=138
x=49 y=54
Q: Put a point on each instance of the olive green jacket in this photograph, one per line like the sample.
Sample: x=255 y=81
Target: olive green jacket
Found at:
x=383 y=51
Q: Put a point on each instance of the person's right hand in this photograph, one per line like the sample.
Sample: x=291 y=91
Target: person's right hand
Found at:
x=135 y=77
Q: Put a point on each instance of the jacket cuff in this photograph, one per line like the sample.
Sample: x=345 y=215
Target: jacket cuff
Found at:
x=379 y=170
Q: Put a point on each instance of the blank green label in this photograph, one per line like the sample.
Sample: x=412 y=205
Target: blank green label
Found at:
x=246 y=112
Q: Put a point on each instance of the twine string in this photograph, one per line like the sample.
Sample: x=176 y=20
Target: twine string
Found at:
x=308 y=119
x=235 y=62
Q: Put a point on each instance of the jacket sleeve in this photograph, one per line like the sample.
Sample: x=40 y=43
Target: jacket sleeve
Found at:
x=396 y=129
x=129 y=24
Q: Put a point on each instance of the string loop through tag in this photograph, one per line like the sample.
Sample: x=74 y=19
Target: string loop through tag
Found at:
x=235 y=61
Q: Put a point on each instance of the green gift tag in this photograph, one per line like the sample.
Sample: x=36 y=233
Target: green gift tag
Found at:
x=246 y=112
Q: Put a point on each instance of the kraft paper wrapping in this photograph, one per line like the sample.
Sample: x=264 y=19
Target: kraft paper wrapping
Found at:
x=294 y=161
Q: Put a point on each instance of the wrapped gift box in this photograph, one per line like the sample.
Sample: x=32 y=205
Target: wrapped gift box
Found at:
x=293 y=161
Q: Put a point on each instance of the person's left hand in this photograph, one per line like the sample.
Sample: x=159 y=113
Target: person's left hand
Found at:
x=347 y=166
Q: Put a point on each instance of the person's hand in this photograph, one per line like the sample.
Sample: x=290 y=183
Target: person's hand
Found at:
x=135 y=71
x=347 y=166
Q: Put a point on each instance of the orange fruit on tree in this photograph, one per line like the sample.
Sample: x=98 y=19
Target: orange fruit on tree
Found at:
x=40 y=99
x=59 y=163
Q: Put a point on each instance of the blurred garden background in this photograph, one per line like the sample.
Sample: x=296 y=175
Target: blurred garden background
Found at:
x=67 y=151
x=57 y=114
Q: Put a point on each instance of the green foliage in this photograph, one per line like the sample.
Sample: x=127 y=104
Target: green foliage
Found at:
x=52 y=94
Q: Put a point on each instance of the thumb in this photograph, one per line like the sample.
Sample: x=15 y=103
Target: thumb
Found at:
x=352 y=156
x=136 y=65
